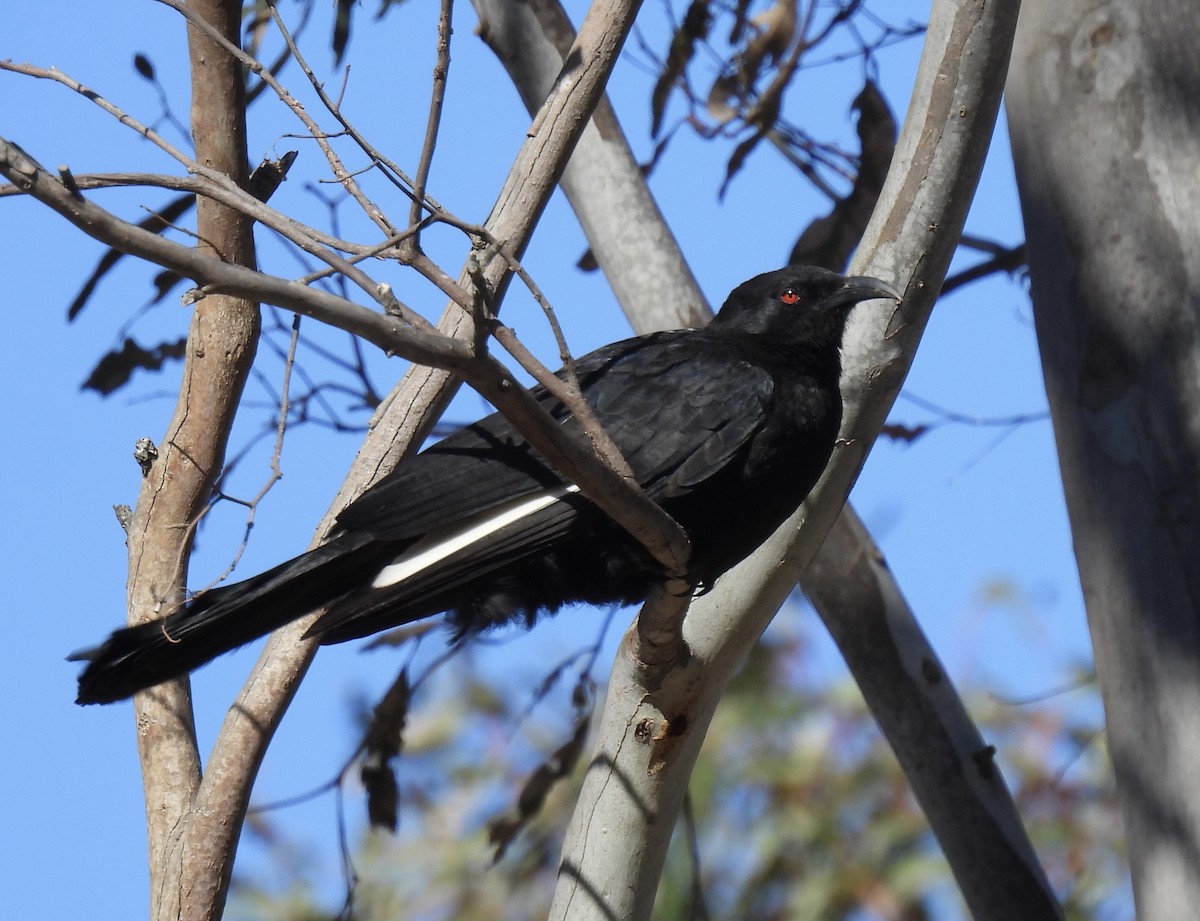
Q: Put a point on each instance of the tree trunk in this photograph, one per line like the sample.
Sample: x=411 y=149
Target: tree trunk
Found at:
x=1102 y=106
x=221 y=346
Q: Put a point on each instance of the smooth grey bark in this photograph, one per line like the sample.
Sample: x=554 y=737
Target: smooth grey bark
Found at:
x=1104 y=112
x=953 y=772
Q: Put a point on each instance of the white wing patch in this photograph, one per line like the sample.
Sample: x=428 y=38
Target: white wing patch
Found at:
x=435 y=547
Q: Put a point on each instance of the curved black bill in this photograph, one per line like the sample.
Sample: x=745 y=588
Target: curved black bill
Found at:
x=858 y=288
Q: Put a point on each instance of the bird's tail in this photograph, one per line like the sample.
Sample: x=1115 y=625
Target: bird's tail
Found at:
x=221 y=620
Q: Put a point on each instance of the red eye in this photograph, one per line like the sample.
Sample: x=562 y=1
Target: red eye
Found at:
x=790 y=296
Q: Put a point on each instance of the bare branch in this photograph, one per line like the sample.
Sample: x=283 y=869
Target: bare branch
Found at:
x=391 y=169
x=386 y=332
x=308 y=238
x=276 y=474
x=212 y=184
x=632 y=242
x=57 y=76
x=190 y=868
x=1003 y=259
x=942 y=753
x=344 y=176
x=440 y=71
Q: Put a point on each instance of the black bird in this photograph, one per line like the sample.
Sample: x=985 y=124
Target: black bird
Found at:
x=726 y=427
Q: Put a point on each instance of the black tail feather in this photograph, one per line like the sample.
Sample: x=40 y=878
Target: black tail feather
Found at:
x=223 y=619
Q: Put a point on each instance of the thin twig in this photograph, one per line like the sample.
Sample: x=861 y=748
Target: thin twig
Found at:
x=334 y=109
x=951 y=416
x=285 y=96
x=440 y=72
x=221 y=188
x=276 y=473
x=392 y=172
x=1007 y=260
x=57 y=76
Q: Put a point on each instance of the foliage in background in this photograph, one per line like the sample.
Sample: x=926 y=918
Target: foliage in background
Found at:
x=798 y=807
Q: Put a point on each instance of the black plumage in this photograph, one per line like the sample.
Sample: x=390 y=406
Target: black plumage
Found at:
x=726 y=427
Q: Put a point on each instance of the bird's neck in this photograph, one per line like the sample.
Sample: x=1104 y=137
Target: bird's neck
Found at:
x=819 y=361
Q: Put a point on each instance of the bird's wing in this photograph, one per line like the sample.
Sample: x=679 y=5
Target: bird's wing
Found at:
x=682 y=413
x=439 y=573
x=475 y=469
x=676 y=405
x=481 y=466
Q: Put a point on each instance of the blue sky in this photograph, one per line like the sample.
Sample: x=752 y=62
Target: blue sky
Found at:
x=970 y=517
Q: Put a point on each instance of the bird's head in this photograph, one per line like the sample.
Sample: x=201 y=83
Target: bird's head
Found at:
x=800 y=305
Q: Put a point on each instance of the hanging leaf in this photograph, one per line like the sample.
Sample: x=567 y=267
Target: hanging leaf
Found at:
x=269 y=175
x=830 y=240
x=772 y=34
x=683 y=46
x=774 y=30
x=502 y=832
x=155 y=223
x=739 y=21
x=876 y=135
x=143 y=66
x=382 y=743
x=738 y=160
x=163 y=282
x=116 y=368
x=897 y=431
x=341 y=29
